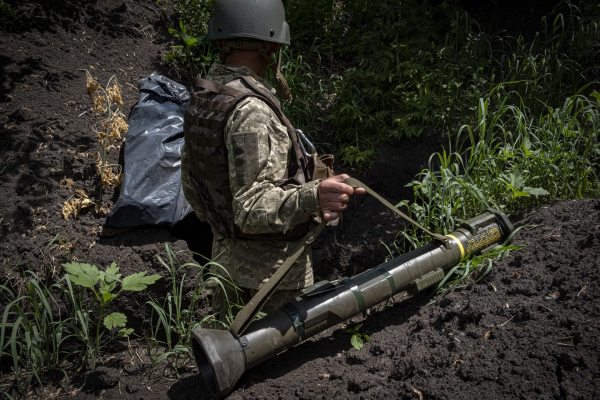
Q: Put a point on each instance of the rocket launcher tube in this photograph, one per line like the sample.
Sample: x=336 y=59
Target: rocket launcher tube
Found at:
x=222 y=358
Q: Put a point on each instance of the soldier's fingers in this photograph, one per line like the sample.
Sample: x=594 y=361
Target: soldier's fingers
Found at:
x=341 y=178
x=333 y=185
x=335 y=197
x=330 y=215
x=359 y=191
x=337 y=187
x=335 y=206
x=342 y=198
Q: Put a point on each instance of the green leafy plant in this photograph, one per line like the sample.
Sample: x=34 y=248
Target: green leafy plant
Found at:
x=358 y=338
x=193 y=53
x=186 y=51
x=103 y=285
x=515 y=182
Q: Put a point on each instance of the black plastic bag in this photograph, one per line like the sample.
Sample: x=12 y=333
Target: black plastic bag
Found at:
x=151 y=193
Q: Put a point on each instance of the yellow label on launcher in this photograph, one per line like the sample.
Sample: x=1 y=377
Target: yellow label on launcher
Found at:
x=483 y=240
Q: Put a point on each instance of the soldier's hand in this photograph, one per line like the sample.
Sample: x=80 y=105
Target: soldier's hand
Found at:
x=334 y=196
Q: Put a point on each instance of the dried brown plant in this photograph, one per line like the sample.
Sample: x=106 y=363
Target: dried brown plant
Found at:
x=114 y=94
x=75 y=206
x=108 y=131
x=91 y=86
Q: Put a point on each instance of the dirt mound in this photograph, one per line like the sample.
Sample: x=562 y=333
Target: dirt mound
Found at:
x=530 y=330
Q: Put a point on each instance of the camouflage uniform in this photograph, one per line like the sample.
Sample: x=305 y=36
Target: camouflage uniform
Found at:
x=258 y=206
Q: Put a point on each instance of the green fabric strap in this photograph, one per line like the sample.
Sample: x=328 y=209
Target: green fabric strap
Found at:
x=355 y=183
x=250 y=310
x=246 y=316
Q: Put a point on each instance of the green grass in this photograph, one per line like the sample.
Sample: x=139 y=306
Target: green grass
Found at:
x=34 y=331
x=172 y=319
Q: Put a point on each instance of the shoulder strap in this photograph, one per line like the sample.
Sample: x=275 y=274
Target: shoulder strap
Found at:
x=269 y=98
x=301 y=160
x=215 y=87
x=246 y=316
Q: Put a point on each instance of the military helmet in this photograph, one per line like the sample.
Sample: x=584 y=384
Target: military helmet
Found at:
x=252 y=19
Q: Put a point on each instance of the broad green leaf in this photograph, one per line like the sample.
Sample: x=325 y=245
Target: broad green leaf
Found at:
x=356 y=341
x=527 y=146
x=138 y=281
x=367 y=338
x=353 y=330
x=112 y=273
x=115 y=319
x=125 y=332
x=535 y=191
x=516 y=179
x=517 y=193
x=106 y=288
x=597 y=96
x=85 y=275
x=107 y=297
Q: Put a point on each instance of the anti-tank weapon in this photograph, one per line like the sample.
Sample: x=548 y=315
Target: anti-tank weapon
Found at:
x=223 y=356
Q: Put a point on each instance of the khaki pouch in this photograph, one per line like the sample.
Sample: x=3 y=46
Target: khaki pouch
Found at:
x=320 y=167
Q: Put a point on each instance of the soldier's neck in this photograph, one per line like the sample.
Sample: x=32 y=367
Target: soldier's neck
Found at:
x=250 y=59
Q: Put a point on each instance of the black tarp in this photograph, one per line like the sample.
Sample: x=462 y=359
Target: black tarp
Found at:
x=151 y=193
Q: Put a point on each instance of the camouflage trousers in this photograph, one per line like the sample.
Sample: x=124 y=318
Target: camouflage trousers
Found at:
x=230 y=298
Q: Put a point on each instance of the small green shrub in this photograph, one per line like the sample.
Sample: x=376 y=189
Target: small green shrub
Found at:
x=357 y=337
x=102 y=285
x=193 y=53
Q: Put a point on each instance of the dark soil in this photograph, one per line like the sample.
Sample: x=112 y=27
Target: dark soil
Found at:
x=530 y=331
x=46 y=135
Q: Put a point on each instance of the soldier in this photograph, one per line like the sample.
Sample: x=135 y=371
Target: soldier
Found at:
x=242 y=167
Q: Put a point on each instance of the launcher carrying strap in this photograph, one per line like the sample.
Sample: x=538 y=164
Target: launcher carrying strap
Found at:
x=355 y=183
x=246 y=316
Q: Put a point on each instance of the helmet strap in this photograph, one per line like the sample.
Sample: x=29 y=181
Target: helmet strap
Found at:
x=282 y=86
x=281 y=83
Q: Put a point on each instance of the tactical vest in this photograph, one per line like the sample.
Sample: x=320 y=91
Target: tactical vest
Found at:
x=204 y=128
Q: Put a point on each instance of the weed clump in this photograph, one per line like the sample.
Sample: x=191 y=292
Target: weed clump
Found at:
x=108 y=132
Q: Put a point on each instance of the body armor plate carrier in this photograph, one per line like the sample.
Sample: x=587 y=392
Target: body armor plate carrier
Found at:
x=204 y=127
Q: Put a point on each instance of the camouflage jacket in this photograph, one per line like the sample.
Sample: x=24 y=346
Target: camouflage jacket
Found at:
x=259 y=207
